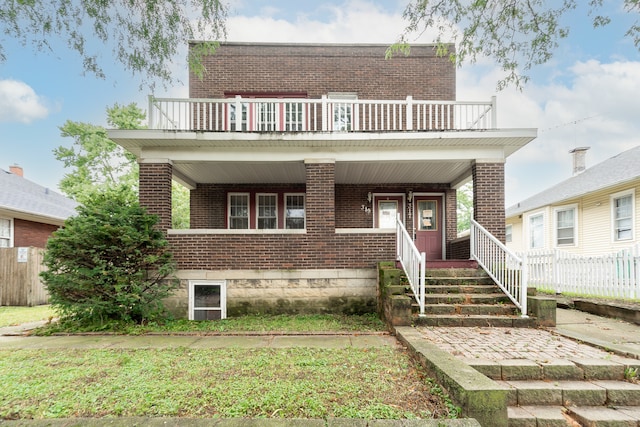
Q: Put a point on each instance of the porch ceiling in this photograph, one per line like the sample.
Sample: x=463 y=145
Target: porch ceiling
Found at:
x=360 y=158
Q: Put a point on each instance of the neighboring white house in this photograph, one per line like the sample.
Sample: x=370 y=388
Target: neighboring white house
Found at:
x=591 y=213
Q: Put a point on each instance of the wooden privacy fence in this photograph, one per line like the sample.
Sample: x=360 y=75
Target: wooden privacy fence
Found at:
x=615 y=275
x=20 y=283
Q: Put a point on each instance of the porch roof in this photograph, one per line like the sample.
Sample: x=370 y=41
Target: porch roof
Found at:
x=360 y=157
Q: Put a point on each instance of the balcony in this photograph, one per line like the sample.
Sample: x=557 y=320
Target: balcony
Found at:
x=290 y=115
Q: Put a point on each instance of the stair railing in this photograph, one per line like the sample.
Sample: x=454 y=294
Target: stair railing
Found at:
x=506 y=269
x=413 y=262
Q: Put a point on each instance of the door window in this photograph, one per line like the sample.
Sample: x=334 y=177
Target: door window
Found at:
x=427 y=215
x=387 y=213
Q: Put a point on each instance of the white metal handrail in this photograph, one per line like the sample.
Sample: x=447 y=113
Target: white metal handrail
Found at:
x=505 y=268
x=413 y=263
x=240 y=114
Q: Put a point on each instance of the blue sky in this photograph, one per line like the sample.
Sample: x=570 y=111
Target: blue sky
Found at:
x=588 y=95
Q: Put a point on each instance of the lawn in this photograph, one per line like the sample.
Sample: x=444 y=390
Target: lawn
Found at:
x=350 y=382
x=10 y=316
x=220 y=383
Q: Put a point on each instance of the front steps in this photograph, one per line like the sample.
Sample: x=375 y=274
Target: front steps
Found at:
x=580 y=392
x=466 y=297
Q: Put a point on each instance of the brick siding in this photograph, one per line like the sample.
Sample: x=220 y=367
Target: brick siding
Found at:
x=155 y=191
x=29 y=233
x=319 y=69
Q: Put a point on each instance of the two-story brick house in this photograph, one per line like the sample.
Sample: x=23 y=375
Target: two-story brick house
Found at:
x=300 y=157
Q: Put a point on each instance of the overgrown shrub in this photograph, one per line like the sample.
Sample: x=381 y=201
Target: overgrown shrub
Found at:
x=109 y=262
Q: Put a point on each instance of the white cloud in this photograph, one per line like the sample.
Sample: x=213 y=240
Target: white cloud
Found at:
x=20 y=103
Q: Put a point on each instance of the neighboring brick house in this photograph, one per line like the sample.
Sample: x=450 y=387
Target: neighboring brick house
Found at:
x=29 y=212
x=299 y=158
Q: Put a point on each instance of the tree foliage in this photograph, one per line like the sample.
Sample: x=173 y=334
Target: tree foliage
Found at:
x=109 y=262
x=465 y=206
x=516 y=34
x=97 y=164
x=144 y=35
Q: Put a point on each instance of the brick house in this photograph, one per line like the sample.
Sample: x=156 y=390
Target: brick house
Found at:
x=29 y=212
x=300 y=157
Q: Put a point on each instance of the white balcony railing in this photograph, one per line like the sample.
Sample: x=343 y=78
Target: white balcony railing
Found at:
x=318 y=115
x=503 y=266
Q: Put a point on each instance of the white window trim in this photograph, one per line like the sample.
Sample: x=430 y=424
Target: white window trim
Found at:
x=258 y=210
x=304 y=198
x=528 y=230
x=223 y=296
x=612 y=199
x=11 y=231
x=508 y=231
x=248 y=196
x=402 y=205
x=575 y=225
x=343 y=98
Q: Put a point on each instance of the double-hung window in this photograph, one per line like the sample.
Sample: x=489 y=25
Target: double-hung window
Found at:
x=294 y=211
x=565 y=226
x=267 y=211
x=508 y=233
x=536 y=231
x=622 y=205
x=6 y=233
x=238 y=211
x=343 y=110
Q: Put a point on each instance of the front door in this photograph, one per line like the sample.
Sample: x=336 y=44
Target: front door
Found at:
x=428 y=225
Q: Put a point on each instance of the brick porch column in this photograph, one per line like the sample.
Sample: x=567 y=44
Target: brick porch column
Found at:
x=155 y=190
x=451 y=206
x=488 y=197
x=320 y=196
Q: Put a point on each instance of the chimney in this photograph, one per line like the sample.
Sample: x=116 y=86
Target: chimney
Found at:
x=16 y=170
x=579 y=164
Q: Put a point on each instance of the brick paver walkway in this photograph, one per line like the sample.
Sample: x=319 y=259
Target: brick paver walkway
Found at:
x=509 y=343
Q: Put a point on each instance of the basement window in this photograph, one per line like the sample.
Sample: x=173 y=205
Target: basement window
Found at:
x=207 y=300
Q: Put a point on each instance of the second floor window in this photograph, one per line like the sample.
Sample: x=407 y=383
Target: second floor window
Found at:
x=342 y=107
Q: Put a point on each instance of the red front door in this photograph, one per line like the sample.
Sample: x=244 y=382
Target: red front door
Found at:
x=428 y=225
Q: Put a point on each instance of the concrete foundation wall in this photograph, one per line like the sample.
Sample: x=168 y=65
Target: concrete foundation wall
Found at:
x=348 y=291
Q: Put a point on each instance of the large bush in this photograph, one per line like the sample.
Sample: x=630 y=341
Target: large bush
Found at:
x=109 y=262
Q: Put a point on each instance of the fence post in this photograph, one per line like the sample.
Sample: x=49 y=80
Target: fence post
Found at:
x=524 y=284
x=325 y=114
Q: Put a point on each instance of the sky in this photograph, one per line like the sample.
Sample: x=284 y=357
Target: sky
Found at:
x=587 y=95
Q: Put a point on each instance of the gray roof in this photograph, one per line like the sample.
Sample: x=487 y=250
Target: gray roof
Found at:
x=23 y=196
x=616 y=170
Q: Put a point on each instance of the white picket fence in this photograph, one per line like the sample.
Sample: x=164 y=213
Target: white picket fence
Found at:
x=615 y=275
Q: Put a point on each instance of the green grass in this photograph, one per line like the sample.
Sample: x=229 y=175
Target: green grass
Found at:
x=255 y=323
x=217 y=383
x=10 y=316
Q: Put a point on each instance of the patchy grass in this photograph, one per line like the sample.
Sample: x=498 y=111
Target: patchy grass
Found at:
x=218 y=383
x=259 y=324
x=10 y=316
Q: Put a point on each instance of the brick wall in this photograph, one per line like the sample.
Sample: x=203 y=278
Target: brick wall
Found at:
x=29 y=233
x=319 y=69
x=488 y=197
x=320 y=198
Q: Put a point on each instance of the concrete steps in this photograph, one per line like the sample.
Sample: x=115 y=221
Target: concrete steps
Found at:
x=568 y=392
x=466 y=297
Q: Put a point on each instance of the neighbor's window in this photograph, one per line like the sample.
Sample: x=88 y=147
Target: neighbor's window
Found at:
x=536 y=231
x=565 y=226
x=508 y=233
x=294 y=211
x=238 y=211
x=207 y=300
x=623 y=217
x=267 y=211
x=5 y=233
